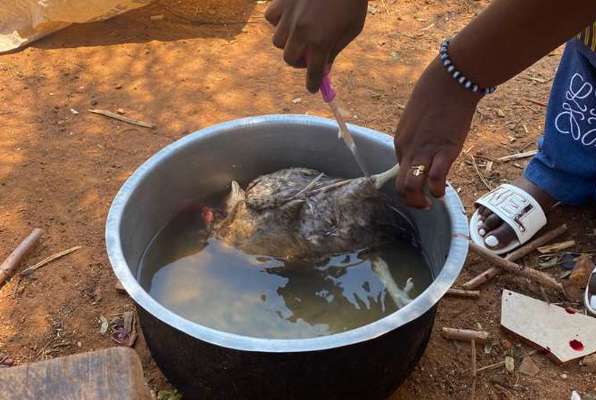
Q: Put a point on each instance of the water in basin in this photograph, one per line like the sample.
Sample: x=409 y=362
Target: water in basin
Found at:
x=217 y=286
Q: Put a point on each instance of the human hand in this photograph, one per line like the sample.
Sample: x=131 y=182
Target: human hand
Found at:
x=319 y=28
x=431 y=133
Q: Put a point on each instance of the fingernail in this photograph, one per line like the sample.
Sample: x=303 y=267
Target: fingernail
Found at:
x=482 y=232
x=491 y=241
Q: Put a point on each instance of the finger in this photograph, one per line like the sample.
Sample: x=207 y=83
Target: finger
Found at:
x=317 y=61
x=412 y=183
x=280 y=37
x=274 y=12
x=437 y=175
x=294 y=52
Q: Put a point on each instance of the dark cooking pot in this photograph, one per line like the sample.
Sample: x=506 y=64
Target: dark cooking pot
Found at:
x=365 y=363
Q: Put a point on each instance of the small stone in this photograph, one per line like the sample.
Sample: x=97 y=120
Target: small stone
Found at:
x=156 y=17
x=528 y=367
x=296 y=100
x=75 y=112
x=79 y=344
x=506 y=344
x=121 y=111
x=500 y=113
x=590 y=362
x=563 y=376
x=118 y=86
x=509 y=364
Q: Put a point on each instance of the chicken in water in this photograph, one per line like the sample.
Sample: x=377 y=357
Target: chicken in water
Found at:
x=300 y=214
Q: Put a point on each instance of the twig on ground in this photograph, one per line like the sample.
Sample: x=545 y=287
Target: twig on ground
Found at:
x=537 y=276
x=122 y=118
x=538 y=103
x=464 y=335
x=482 y=178
x=556 y=247
x=473 y=294
x=518 y=156
x=47 y=260
x=474 y=357
x=516 y=255
x=474 y=369
x=502 y=363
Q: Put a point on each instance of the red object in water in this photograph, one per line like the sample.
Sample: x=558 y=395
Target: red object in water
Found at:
x=576 y=345
x=570 y=310
x=207 y=215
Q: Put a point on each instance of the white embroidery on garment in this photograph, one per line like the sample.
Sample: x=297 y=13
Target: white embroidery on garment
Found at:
x=569 y=121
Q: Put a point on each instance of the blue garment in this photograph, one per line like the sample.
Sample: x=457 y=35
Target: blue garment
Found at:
x=565 y=166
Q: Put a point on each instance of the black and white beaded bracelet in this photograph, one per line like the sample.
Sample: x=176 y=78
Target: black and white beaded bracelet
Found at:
x=457 y=75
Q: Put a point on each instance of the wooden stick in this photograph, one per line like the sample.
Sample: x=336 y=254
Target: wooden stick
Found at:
x=14 y=259
x=518 y=156
x=537 y=276
x=473 y=294
x=122 y=118
x=523 y=251
x=464 y=335
x=47 y=260
x=502 y=363
x=474 y=369
x=491 y=366
x=556 y=247
x=482 y=278
x=538 y=103
x=474 y=357
x=534 y=244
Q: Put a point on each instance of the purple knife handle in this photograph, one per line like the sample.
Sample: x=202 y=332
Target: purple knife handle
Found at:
x=327 y=90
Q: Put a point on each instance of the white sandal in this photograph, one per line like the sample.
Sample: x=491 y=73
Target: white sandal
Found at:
x=517 y=208
x=590 y=299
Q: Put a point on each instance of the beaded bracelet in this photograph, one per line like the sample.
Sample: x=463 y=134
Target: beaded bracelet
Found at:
x=457 y=75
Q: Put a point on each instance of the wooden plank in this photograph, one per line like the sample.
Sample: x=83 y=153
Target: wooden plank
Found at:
x=114 y=374
x=565 y=334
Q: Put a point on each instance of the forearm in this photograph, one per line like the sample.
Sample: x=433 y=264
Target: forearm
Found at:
x=511 y=35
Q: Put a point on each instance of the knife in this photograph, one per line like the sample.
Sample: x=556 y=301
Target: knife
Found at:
x=329 y=95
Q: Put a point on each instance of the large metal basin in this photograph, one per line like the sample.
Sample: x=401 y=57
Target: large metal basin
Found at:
x=365 y=363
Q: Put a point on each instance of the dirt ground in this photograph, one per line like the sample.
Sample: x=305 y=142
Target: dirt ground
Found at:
x=60 y=169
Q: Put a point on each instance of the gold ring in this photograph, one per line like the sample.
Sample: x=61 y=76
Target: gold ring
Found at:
x=417 y=170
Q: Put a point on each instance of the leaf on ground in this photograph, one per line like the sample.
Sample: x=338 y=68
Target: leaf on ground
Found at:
x=124 y=329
